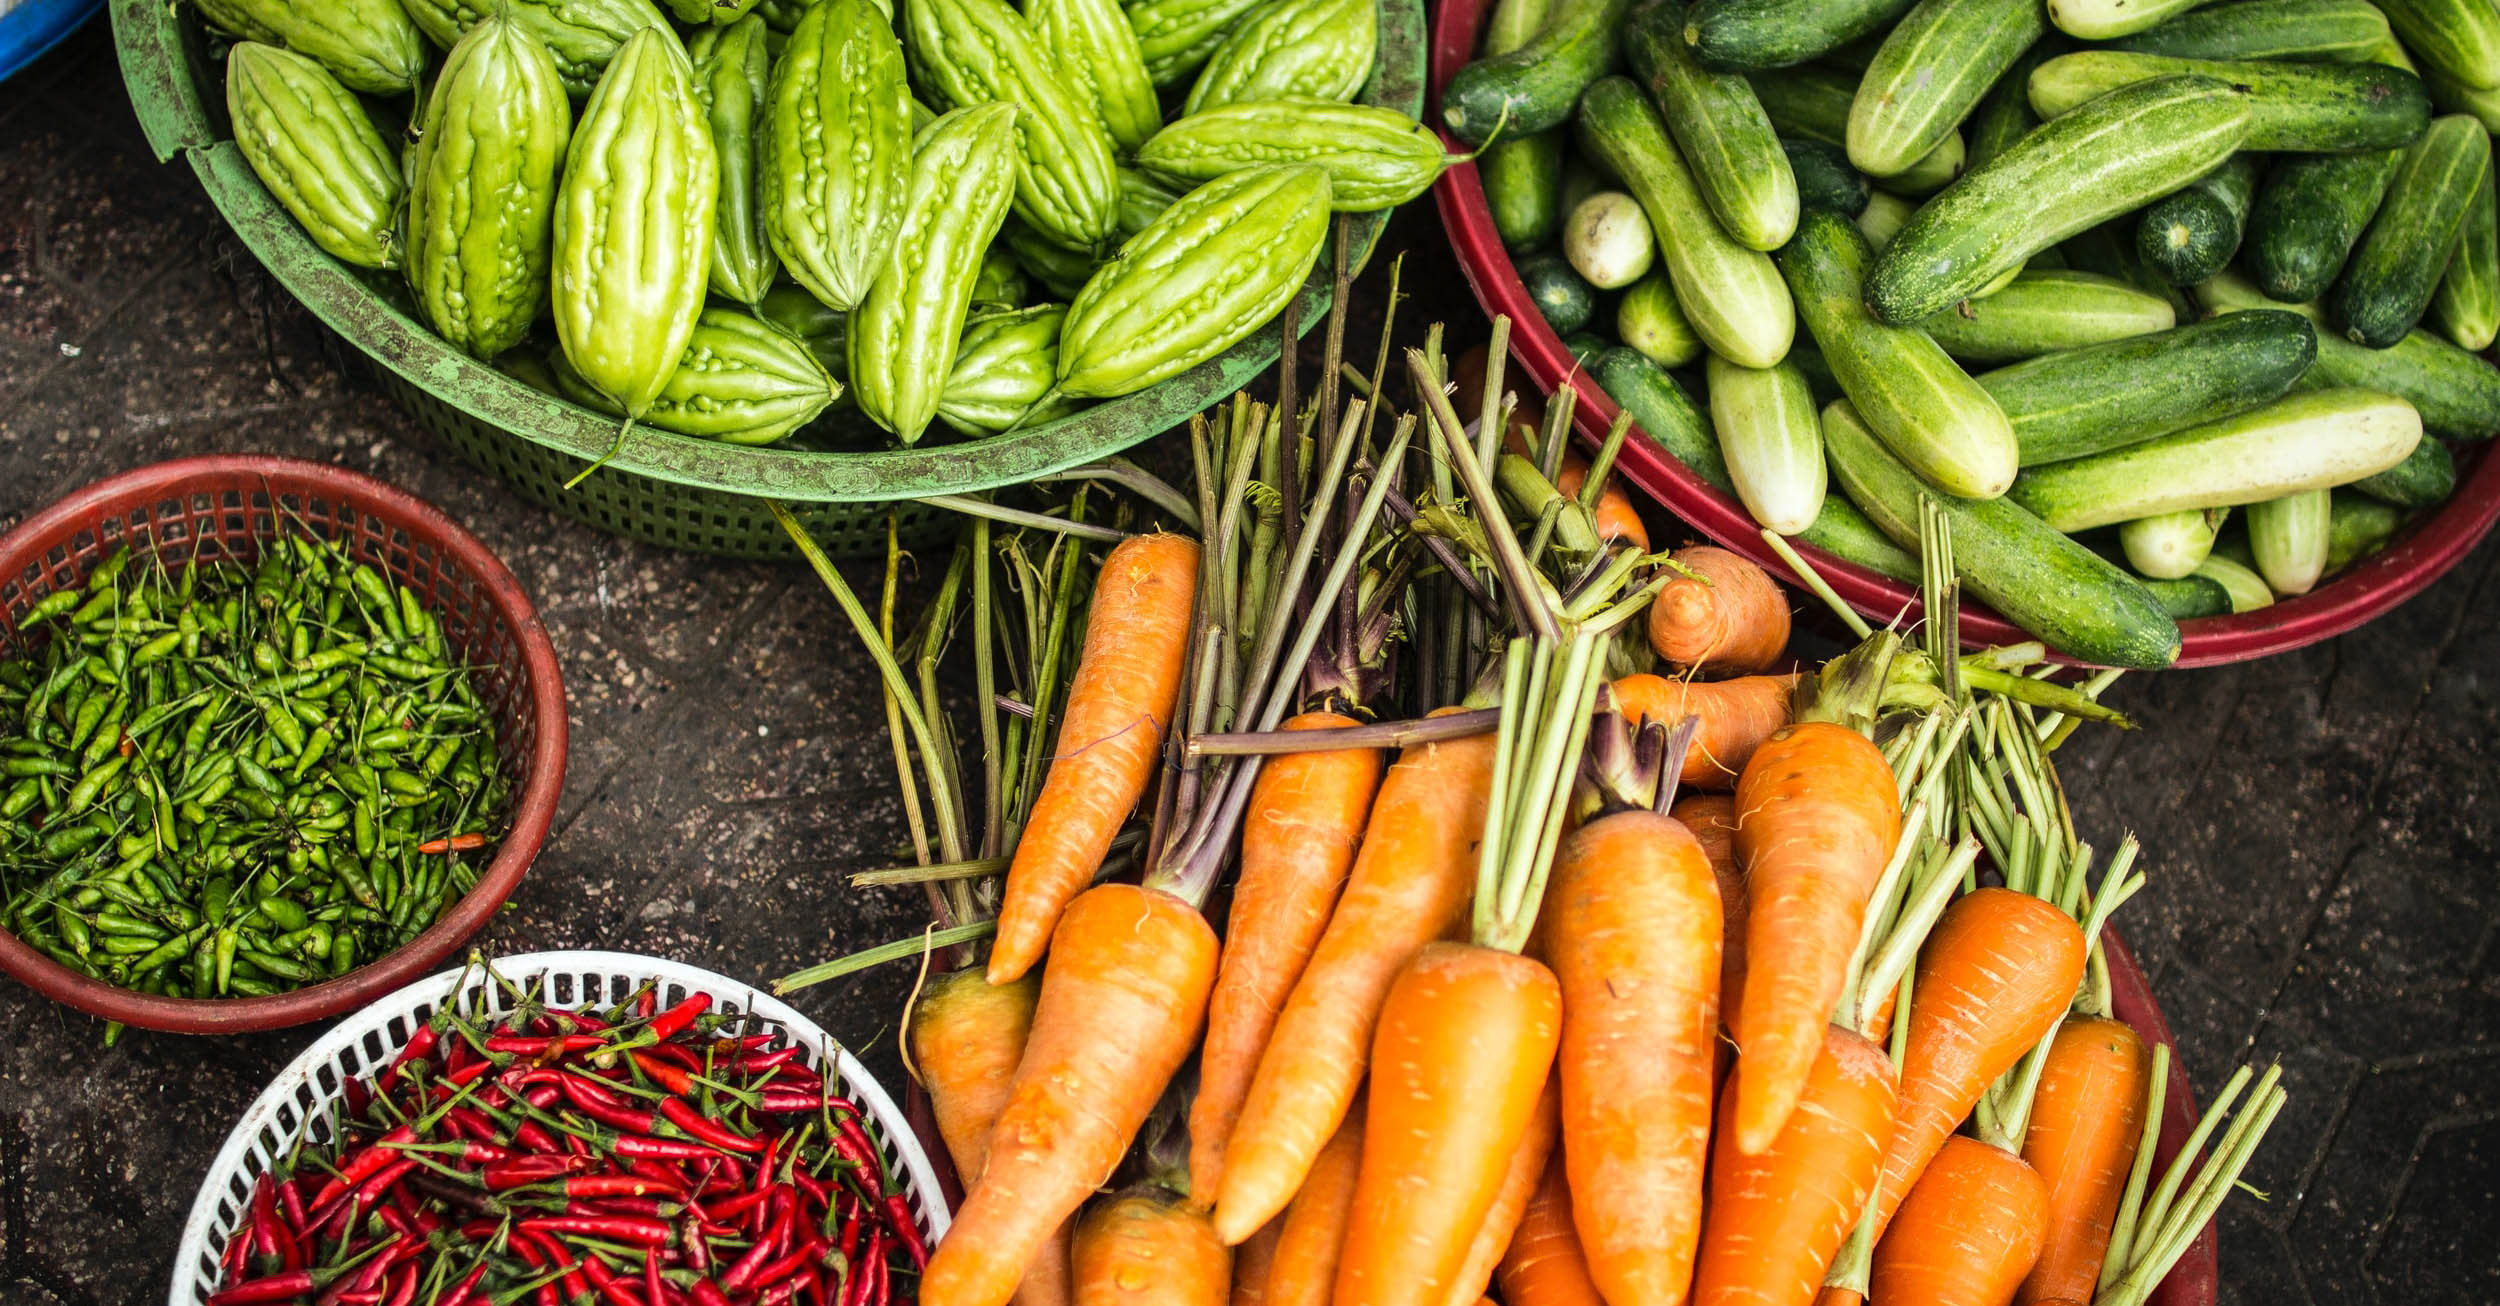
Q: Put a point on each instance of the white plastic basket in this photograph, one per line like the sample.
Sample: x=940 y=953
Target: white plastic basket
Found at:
x=305 y=1099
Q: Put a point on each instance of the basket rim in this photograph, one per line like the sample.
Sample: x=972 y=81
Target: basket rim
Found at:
x=440 y=986
x=171 y=107
x=533 y=812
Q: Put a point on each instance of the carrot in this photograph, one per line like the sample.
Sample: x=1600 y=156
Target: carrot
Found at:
x=1251 y=1263
x=1617 y=519
x=1736 y=716
x=1712 y=819
x=1777 y=1217
x=967 y=1035
x=1968 y=1232
x=1818 y=814
x=1297 y=842
x=1545 y=1265
x=1147 y=1248
x=1510 y=1201
x=1729 y=619
x=1409 y=883
x=1110 y=734
x=1312 y=1235
x=1635 y=944
x=1119 y=1012
x=2085 y=1121
x=1465 y=1044
x=1998 y=971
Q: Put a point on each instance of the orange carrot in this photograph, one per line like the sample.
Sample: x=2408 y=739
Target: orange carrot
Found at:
x=1712 y=819
x=1545 y=1266
x=1968 y=1232
x=1049 y=1280
x=1466 y=1041
x=1617 y=519
x=1834 y=1294
x=1312 y=1236
x=967 y=1035
x=1410 y=882
x=1510 y=1201
x=1147 y=1248
x=1635 y=944
x=1731 y=621
x=1251 y=1263
x=1736 y=716
x=1777 y=1217
x=1297 y=842
x=1998 y=971
x=1119 y=1012
x=1818 y=814
x=1110 y=734
x=2085 y=1122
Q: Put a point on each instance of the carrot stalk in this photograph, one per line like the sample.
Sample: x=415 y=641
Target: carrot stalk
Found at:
x=2191 y=1190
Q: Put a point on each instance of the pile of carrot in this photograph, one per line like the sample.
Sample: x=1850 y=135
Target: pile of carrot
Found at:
x=1538 y=927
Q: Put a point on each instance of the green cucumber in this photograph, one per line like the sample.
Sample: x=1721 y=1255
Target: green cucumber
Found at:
x=1824 y=178
x=1533 y=87
x=2358 y=526
x=1719 y=129
x=2108 y=250
x=2005 y=116
x=2104 y=20
x=1560 y=293
x=2292 y=106
x=2102 y=160
x=2457 y=393
x=2307 y=214
x=2079 y=402
x=1846 y=532
x=2247 y=589
x=1585 y=347
x=2192 y=233
x=1522 y=179
x=1513 y=24
x=1933 y=69
x=1731 y=294
x=2334 y=31
x=2459 y=38
x=2173 y=544
x=2037 y=578
x=1814 y=103
x=1771 y=440
x=2427 y=476
x=2308 y=440
x=2190 y=597
x=2394 y=269
x=2467 y=304
x=2455 y=97
x=1607 y=240
x=1753 y=35
x=1648 y=319
x=2289 y=537
x=1924 y=406
x=1581 y=178
x=2042 y=312
x=1883 y=218
x=1809 y=360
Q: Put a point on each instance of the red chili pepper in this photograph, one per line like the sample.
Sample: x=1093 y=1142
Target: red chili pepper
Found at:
x=849 y=1245
x=270 y=1288
x=459 y=1056
x=403 y=1288
x=729 y=1210
x=651 y=1276
x=757 y=1063
x=467 y=1071
x=646 y=1001
x=608 y=1113
x=362 y=1166
x=780 y=1294
x=772 y=1102
x=574 y=1083
x=898 y=1217
x=466 y=1290
x=291 y=1197
x=708 y=1293
x=524 y=1170
x=419 y=1046
x=670 y=1023
x=614 y=1228
x=621 y=1185
x=675 y=1052
x=677 y=1111
x=608 y=1285
x=356 y=1098
x=458 y=843
x=531 y=1136
x=660 y=1149
x=674 y=1078
x=863 y=1273
x=784 y=1268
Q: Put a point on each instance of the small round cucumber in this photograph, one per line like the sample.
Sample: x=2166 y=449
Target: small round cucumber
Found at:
x=1824 y=178
x=2247 y=589
x=2427 y=476
x=1772 y=440
x=1608 y=240
x=2357 y=527
x=1566 y=300
x=2171 y=545
x=2192 y=234
x=2190 y=597
x=1648 y=319
x=1523 y=186
x=2289 y=537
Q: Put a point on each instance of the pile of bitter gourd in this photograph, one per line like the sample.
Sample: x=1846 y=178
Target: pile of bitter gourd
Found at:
x=735 y=210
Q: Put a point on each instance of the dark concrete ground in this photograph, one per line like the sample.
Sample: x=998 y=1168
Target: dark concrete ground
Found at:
x=2321 y=829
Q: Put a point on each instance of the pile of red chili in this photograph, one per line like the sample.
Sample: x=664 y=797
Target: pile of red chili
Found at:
x=626 y=1157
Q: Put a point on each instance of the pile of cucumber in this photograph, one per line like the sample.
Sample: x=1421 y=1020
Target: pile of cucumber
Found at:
x=2093 y=274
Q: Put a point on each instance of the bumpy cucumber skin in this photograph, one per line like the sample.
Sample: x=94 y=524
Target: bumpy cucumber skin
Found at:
x=2467 y=304
x=1535 y=86
x=1931 y=72
x=2427 y=476
x=2388 y=283
x=2085 y=401
x=2191 y=235
x=2338 y=31
x=1824 y=178
x=2042 y=312
x=2307 y=213
x=1720 y=129
x=1754 y=35
x=2292 y=106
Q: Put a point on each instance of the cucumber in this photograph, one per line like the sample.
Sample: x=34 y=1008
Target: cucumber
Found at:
x=2308 y=440
x=2449 y=96
x=1809 y=360
x=2103 y=20
x=1824 y=178
x=1514 y=23
x=1933 y=69
x=2191 y=234
x=1732 y=295
x=2289 y=537
x=2079 y=402
x=1719 y=128
x=1585 y=347
x=2358 y=526
x=1581 y=178
x=2292 y=106
x=2467 y=304
x=2005 y=116
x=2038 y=579
x=2042 y=312
x=1814 y=103
x=2457 y=393
x=1883 y=218
x=2307 y=214
x=2190 y=597
x=1771 y=440
x=2171 y=545
x=1916 y=398
x=1752 y=35
x=1846 y=532
x=1649 y=320
x=1607 y=240
x=2331 y=31
x=2427 y=476
x=1565 y=299
x=1533 y=87
x=2387 y=284
x=1522 y=179
x=2247 y=589
x=2459 y=38
x=2108 y=249
x=2102 y=160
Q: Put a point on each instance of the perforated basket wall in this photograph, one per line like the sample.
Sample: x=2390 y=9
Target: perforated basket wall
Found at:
x=303 y=1102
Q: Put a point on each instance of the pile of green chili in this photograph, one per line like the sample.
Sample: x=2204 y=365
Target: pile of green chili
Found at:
x=229 y=780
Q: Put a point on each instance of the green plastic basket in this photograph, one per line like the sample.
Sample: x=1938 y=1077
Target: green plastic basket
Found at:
x=662 y=487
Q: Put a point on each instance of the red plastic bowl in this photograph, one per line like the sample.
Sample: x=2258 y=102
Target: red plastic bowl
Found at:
x=2370 y=587
x=221 y=507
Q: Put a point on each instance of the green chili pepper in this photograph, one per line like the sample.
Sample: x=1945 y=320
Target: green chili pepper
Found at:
x=49 y=606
